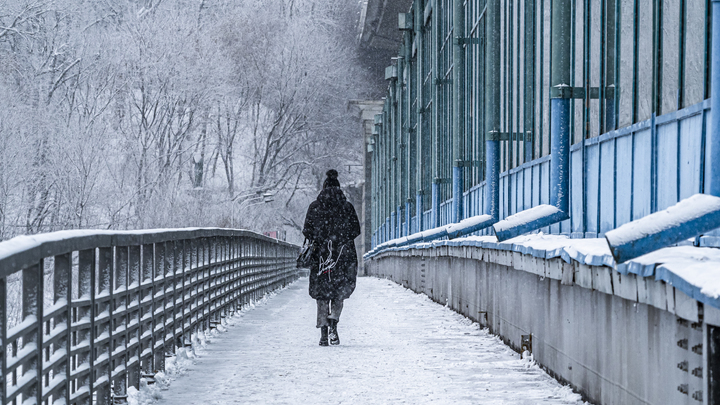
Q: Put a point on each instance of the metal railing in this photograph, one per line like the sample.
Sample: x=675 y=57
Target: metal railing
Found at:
x=116 y=303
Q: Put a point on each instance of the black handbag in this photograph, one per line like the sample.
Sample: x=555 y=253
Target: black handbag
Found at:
x=307 y=255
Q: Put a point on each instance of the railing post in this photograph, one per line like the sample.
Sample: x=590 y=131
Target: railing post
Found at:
x=177 y=272
x=104 y=303
x=62 y=291
x=133 y=302
x=120 y=300
x=147 y=309
x=32 y=303
x=85 y=310
x=158 y=311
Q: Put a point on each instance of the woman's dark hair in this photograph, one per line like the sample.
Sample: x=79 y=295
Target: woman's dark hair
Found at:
x=331 y=180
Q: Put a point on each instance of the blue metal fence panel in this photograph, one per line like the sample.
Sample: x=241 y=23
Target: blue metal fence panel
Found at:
x=607 y=185
x=576 y=191
x=642 y=154
x=592 y=191
x=690 y=155
x=667 y=136
x=623 y=193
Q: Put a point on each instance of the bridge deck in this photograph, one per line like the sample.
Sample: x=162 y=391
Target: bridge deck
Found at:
x=396 y=347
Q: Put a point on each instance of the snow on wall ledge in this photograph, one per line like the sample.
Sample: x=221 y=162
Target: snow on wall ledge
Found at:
x=695 y=271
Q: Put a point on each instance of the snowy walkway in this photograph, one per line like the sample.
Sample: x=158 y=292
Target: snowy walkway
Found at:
x=396 y=347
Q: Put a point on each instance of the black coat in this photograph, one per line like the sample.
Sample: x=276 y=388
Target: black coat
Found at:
x=331 y=224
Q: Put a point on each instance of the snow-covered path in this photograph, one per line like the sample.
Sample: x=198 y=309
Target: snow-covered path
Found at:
x=396 y=347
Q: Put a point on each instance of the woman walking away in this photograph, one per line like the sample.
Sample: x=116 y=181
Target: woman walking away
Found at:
x=331 y=224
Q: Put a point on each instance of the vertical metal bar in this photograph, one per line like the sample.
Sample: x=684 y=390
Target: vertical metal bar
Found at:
x=3 y=339
x=105 y=287
x=681 y=55
x=32 y=303
x=492 y=110
x=713 y=141
x=419 y=108
x=657 y=58
x=178 y=276
x=158 y=313
x=147 y=294
x=458 y=119
x=560 y=107
x=62 y=281
x=636 y=34
x=86 y=292
x=604 y=58
x=436 y=111
x=133 y=300
x=121 y=294
x=529 y=81
x=616 y=71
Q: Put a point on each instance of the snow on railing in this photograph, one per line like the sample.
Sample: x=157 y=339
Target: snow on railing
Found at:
x=119 y=302
x=689 y=218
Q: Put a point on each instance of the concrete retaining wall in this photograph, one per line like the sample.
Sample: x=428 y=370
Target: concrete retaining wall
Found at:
x=616 y=339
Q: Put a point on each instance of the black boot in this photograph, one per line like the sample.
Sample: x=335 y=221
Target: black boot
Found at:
x=323 y=336
x=332 y=333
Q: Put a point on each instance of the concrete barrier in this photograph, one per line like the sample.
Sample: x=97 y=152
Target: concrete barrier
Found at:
x=616 y=339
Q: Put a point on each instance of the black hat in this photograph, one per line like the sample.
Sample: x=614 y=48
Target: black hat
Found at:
x=331 y=180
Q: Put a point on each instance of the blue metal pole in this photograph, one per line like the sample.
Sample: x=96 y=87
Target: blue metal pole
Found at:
x=457 y=190
x=435 y=205
x=393 y=225
x=419 y=211
x=713 y=140
x=408 y=219
x=458 y=118
x=560 y=152
x=399 y=231
x=492 y=111
x=492 y=178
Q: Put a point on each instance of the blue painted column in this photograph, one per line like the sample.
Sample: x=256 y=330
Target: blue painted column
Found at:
x=419 y=211
x=393 y=225
x=435 y=217
x=420 y=111
x=560 y=153
x=436 y=119
x=458 y=118
x=560 y=106
x=713 y=141
x=400 y=216
x=408 y=219
x=492 y=178
x=492 y=111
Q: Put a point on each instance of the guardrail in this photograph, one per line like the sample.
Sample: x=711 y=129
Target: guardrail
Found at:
x=117 y=302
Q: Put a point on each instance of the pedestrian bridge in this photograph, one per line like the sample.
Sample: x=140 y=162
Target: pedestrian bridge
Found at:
x=89 y=317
